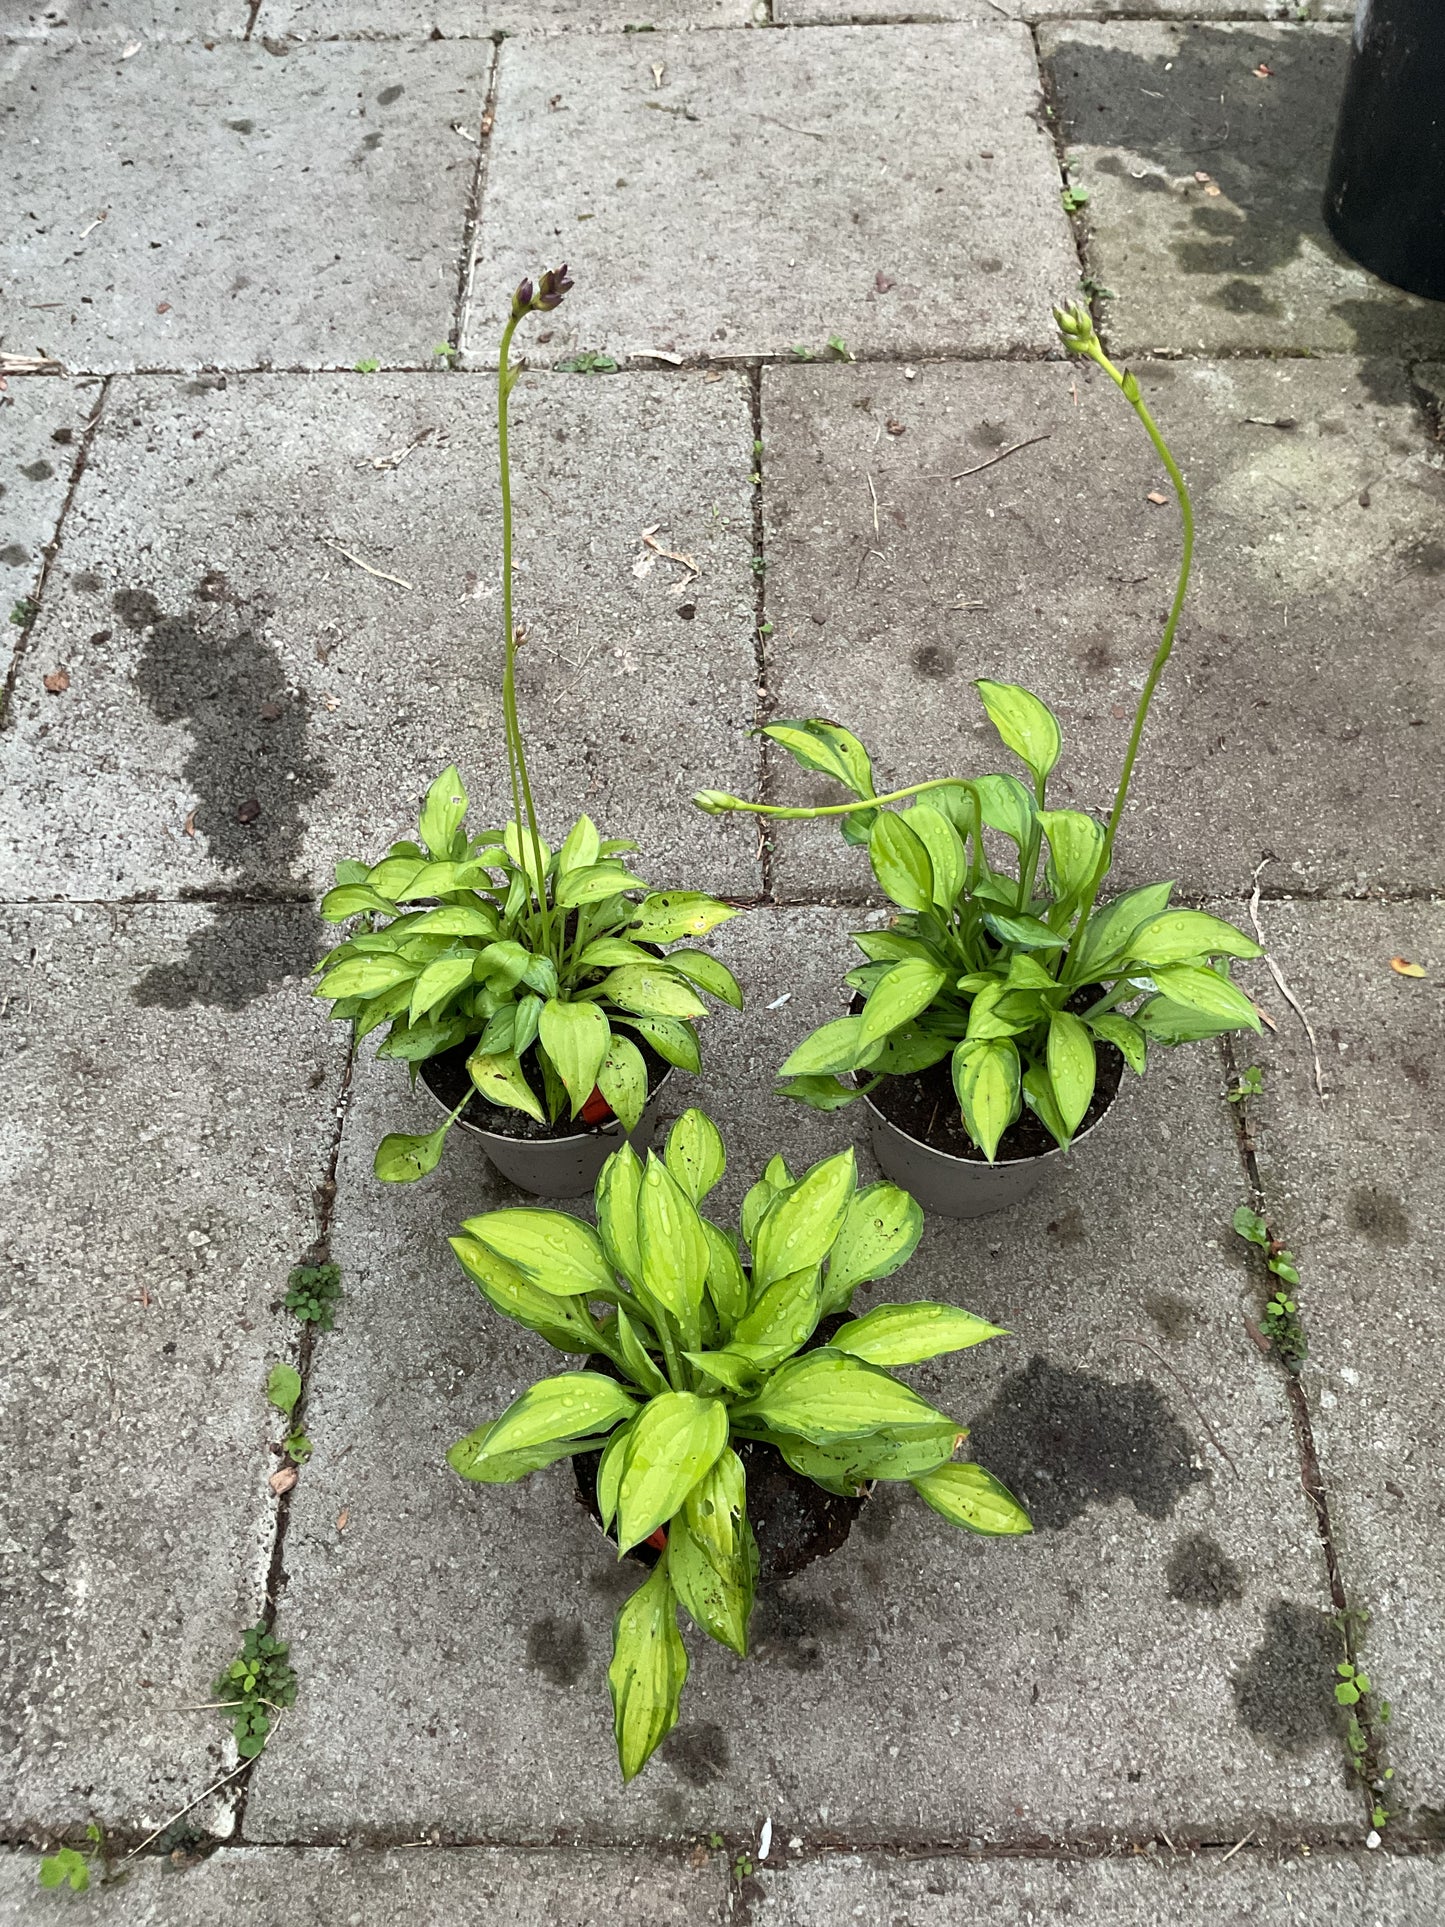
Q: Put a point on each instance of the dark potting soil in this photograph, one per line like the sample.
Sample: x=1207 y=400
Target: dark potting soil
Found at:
x=448 y=1079
x=793 y=1520
x=925 y=1105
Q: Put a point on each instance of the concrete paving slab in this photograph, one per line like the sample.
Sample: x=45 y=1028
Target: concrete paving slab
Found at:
x=44 y=421
x=829 y=12
x=1335 y=1890
x=459 y=19
x=189 y=623
x=778 y=189
x=1353 y=1184
x=330 y=1887
x=1204 y=150
x=299 y=211
x=917 y=1686
x=126 y=21
x=157 y=1166
x=1300 y=716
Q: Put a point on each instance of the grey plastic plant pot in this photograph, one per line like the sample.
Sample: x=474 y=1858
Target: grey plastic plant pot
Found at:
x=961 y=1187
x=563 y=1167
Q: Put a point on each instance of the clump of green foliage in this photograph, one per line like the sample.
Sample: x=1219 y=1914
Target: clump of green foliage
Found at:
x=705 y=1352
x=313 y=1293
x=256 y=1685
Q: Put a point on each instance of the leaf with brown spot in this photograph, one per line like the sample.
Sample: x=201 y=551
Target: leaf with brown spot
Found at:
x=1402 y=967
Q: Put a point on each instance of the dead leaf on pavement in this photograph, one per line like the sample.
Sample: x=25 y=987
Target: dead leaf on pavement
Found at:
x=188 y=828
x=1262 y=71
x=1156 y=498
x=342 y=1516
x=57 y=682
x=282 y=1480
x=1402 y=967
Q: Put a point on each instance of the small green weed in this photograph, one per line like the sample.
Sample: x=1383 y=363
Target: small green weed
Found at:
x=283 y=1388
x=838 y=348
x=1281 y=1323
x=367 y=367
x=1094 y=290
x=313 y=1293
x=1074 y=197
x=742 y=1868
x=66 y=1867
x=587 y=363
x=1251 y=1084
x=800 y=352
x=448 y=352
x=256 y=1684
x=1369 y=1717
x=24 y=612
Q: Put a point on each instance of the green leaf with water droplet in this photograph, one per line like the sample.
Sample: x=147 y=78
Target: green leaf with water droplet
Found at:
x=907 y=1334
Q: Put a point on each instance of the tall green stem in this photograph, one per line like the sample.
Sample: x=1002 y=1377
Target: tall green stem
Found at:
x=1129 y=388
x=516 y=753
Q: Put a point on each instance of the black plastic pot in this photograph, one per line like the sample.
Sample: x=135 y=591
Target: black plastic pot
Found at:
x=1385 y=195
x=548 y=1166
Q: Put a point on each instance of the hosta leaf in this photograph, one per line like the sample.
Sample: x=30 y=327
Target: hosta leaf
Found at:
x=619 y=1186
x=1076 y=843
x=777 y=1177
x=986 y=1078
x=350 y=899
x=675 y=1438
x=457 y=920
x=1179 y=935
x=716 y=1508
x=674 y=1041
x=571 y=1405
x=1199 y=988
x=395 y=875
x=1006 y=806
x=669 y=915
x=820 y=1093
x=1072 y=1067
x=575 y=1037
x=899 y=995
x=365 y=976
x=400 y=1158
x=565 y=1323
x=798 y=1228
x=716 y=1594
x=1038 y=1092
x=609 y=1474
x=524 y=849
x=1124 y=1034
x=900 y=862
x=708 y=974
x=622 y=1080
x=443 y=813
x=826 y=748
x=1028 y=727
x=648 y=1671
x=783 y=1318
x=826 y=1395
x=592 y=885
x=947 y=858
x=891 y=946
x=912 y=1047
x=635 y=1356
x=850 y=1464
x=695 y=1154
x=498 y=1076
x=605 y=953
x=581 y=847
x=908 y=1334
x=437 y=982
x=672 y=1248
x=880 y=1233
x=471 y=1458
x=968 y=1496
x=832 y=1047
x=652 y=991
x=729 y=1369
x=414 y=1043
x=1028 y=932
x=557 y=1253
x=1165 y=1022
x=727 y=1285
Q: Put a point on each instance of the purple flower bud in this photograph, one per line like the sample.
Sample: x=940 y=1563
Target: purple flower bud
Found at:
x=555 y=283
x=522 y=299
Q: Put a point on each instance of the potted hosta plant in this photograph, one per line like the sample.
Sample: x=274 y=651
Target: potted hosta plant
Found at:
x=711 y=1381
x=528 y=986
x=992 y=1020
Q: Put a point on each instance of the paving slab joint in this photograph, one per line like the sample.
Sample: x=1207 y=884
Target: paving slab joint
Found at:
x=472 y=220
x=256 y=6
x=1368 y=1762
x=52 y=548
x=1053 y=120
x=761 y=628
x=319 y=1253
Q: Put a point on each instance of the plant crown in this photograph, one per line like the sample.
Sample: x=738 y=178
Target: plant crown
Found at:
x=704 y=1351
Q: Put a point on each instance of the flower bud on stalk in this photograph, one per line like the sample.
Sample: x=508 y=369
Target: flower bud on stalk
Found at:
x=545 y=296
x=1076 y=327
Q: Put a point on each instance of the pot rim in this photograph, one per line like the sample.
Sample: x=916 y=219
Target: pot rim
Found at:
x=592 y=1131
x=982 y=1165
